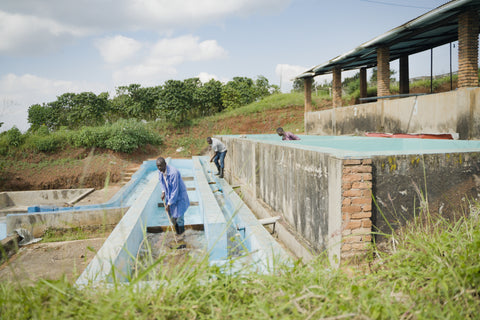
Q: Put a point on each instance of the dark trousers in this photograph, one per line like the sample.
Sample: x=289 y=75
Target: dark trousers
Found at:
x=219 y=159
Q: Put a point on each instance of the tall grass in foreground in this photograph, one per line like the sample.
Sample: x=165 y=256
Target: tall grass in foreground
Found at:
x=433 y=274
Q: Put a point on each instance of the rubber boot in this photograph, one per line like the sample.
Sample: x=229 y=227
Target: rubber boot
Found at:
x=181 y=229
x=221 y=173
x=176 y=228
x=218 y=169
x=181 y=237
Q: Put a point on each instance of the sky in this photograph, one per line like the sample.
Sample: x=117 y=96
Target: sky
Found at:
x=51 y=47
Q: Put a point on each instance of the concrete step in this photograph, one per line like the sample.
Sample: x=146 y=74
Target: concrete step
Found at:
x=127 y=174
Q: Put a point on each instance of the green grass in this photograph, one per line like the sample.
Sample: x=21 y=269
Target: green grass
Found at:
x=75 y=233
x=275 y=101
x=433 y=274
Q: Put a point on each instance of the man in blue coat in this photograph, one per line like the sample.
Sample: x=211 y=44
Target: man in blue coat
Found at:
x=174 y=194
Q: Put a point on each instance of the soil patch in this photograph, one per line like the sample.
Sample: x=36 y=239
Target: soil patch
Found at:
x=52 y=261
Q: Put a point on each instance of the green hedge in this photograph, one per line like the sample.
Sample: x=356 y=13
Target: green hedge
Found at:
x=123 y=136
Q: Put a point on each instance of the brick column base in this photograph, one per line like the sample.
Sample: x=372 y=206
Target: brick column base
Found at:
x=468 y=26
x=356 y=208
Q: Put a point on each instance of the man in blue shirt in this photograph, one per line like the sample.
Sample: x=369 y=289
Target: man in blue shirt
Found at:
x=174 y=194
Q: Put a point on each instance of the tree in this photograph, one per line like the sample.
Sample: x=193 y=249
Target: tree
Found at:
x=133 y=101
x=174 y=103
x=238 y=92
x=351 y=84
x=40 y=115
x=298 y=85
x=373 y=77
x=262 y=87
x=209 y=96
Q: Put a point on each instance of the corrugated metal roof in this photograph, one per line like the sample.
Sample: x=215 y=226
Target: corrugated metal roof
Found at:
x=433 y=29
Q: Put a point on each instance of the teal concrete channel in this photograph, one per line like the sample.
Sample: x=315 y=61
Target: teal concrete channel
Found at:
x=216 y=212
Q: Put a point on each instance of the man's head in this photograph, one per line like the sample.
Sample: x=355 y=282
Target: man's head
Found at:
x=280 y=131
x=161 y=164
x=209 y=140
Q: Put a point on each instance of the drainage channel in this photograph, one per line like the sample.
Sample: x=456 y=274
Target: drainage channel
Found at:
x=219 y=227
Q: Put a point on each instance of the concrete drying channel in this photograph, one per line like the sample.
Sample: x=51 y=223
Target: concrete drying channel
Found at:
x=218 y=223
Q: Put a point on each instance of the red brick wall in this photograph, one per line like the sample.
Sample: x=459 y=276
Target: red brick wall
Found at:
x=468 y=49
x=356 y=207
x=383 y=71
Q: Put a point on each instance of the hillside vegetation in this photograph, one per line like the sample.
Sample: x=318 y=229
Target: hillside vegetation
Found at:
x=86 y=157
x=430 y=272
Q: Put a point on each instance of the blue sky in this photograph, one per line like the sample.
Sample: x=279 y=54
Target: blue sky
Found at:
x=51 y=47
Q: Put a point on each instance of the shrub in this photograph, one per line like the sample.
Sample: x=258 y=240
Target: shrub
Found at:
x=3 y=146
x=122 y=136
x=48 y=143
x=128 y=135
x=14 y=137
x=89 y=137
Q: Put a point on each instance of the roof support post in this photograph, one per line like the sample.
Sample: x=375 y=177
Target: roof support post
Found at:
x=363 y=82
x=468 y=26
x=307 y=88
x=383 y=71
x=337 y=87
x=404 y=75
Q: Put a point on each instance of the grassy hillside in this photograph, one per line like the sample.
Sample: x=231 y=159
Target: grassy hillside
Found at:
x=23 y=167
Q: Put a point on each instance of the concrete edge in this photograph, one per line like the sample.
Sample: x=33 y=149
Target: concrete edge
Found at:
x=213 y=218
x=266 y=251
x=262 y=211
x=37 y=223
x=113 y=258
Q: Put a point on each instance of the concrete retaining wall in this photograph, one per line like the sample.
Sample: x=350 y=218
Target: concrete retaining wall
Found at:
x=327 y=200
x=19 y=201
x=410 y=185
x=38 y=223
x=449 y=112
x=294 y=182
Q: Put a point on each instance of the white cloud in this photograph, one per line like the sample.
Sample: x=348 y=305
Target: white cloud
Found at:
x=117 y=49
x=18 y=93
x=206 y=77
x=186 y=48
x=164 y=56
x=177 y=13
x=107 y=15
x=24 y=34
x=287 y=74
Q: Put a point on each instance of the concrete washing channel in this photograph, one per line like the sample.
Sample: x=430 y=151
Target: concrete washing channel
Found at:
x=222 y=222
x=215 y=210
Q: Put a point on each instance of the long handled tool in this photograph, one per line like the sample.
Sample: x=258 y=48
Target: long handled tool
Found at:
x=171 y=224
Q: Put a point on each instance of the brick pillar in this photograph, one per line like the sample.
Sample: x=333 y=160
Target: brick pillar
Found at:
x=337 y=87
x=307 y=87
x=356 y=208
x=404 y=75
x=383 y=71
x=363 y=83
x=468 y=49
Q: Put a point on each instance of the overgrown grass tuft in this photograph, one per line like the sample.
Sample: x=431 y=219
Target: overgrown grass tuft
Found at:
x=433 y=274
